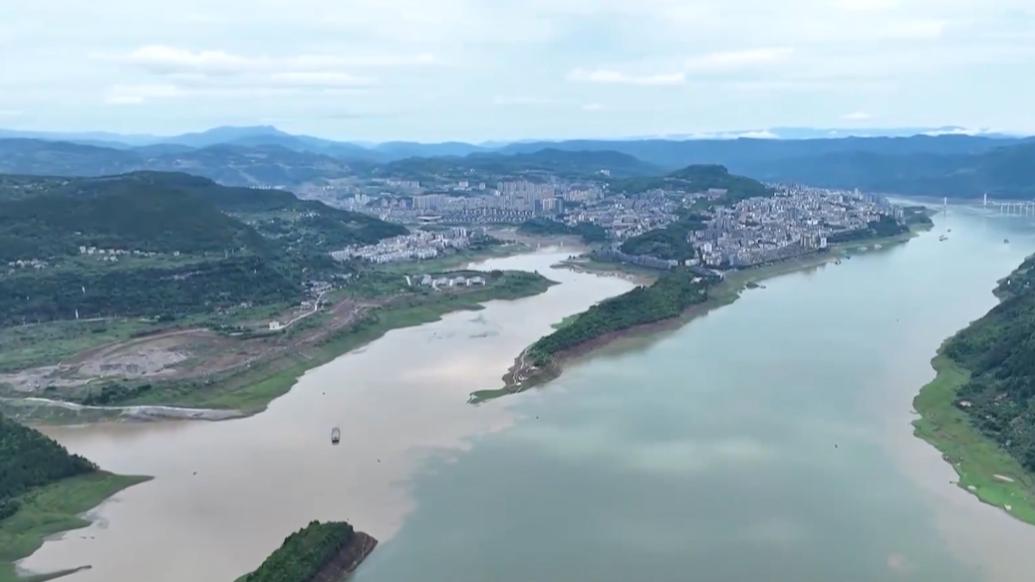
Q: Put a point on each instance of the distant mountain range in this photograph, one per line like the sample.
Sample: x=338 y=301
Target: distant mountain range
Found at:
x=940 y=161
x=233 y=165
x=256 y=136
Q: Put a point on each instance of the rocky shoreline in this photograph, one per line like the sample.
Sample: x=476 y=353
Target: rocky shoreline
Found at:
x=345 y=562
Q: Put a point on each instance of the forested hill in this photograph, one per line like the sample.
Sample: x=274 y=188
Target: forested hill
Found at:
x=29 y=459
x=999 y=351
x=697 y=178
x=545 y=164
x=240 y=164
x=153 y=243
x=317 y=552
x=131 y=212
x=163 y=212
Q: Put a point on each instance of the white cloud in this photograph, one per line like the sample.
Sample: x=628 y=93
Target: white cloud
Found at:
x=857 y=116
x=915 y=29
x=721 y=61
x=137 y=94
x=170 y=60
x=961 y=131
x=757 y=64
x=754 y=134
x=594 y=107
x=162 y=60
x=317 y=79
x=714 y=62
x=612 y=77
x=518 y=100
x=11 y=112
x=866 y=5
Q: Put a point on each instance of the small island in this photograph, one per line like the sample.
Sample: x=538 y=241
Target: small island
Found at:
x=319 y=552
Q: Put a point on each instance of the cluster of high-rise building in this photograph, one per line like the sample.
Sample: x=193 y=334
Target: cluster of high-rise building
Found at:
x=797 y=220
x=508 y=203
x=627 y=216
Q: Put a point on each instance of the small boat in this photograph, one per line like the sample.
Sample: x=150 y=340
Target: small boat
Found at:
x=335 y=435
x=943 y=238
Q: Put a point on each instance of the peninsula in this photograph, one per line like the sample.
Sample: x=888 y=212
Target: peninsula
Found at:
x=978 y=409
x=43 y=490
x=219 y=310
x=715 y=243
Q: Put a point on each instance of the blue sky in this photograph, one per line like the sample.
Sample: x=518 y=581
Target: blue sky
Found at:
x=476 y=70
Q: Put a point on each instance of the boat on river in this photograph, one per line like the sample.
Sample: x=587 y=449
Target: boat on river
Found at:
x=335 y=435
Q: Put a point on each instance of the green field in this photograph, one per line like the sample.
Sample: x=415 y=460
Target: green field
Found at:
x=975 y=457
x=52 y=509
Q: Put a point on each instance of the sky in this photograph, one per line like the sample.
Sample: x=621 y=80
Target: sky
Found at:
x=477 y=70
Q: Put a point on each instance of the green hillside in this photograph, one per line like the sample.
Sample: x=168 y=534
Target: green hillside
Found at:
x=152 y=244
x=43 y=491
x=304 y=553
x=544 y=164
x=28 y=459
x=666 y=298
x=589 y=232
x=697 y=178
x=999 y=352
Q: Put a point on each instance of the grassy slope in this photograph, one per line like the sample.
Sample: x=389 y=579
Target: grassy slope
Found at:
x=52 y=509
x=251 y=391
x=975 y=457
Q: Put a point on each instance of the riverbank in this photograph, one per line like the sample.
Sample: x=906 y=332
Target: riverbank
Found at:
x=984 y=469
x=250 y=392
x=526 y=373
x=50 y=510
x=399 y=402
x=247 y=391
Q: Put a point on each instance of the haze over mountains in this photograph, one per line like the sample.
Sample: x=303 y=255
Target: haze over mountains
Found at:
x=941 y=161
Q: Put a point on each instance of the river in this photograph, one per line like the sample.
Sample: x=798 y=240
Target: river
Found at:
x=767 y=440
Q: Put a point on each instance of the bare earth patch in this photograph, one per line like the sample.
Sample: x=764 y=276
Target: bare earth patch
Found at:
x=180 y=354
